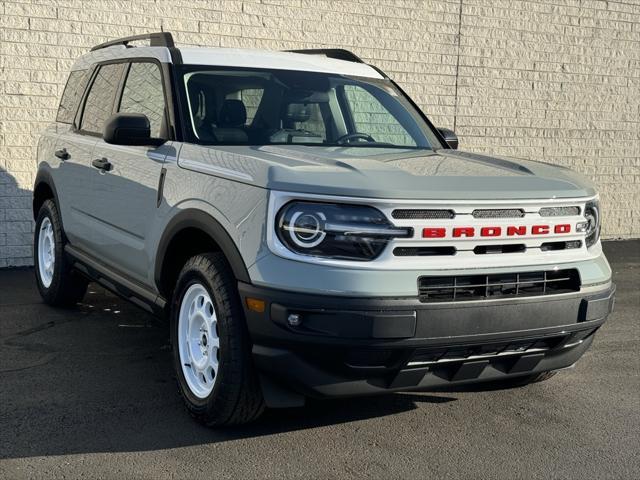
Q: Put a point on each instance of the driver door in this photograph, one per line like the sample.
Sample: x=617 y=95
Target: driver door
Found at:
x=126 y=196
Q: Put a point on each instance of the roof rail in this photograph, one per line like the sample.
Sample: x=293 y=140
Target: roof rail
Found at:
x=156 y=39
x=337 y=53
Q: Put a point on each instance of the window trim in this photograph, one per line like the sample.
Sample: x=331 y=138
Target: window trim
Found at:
x=87 y=73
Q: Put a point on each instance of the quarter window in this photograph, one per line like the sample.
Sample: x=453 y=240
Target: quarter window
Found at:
x=99 y=105
x=71 y=96
x=143 y=93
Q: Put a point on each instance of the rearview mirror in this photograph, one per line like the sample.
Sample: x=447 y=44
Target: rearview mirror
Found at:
x=129 y=129
x=450 y=137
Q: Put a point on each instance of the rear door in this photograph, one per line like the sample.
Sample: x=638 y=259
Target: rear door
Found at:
x=124 y=200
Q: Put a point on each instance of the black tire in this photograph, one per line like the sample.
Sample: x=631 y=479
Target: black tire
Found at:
x=236 y=397
x=67 y=286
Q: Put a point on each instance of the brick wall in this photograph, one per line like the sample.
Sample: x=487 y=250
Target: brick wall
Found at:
x=555 y=80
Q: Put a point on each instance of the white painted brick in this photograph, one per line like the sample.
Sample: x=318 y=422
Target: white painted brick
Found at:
x=554 y=80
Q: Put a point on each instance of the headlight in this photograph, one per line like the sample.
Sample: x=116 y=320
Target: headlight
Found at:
x=591 y=225
x=340 y=231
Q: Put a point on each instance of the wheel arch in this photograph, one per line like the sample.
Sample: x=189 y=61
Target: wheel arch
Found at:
x=43 y=189
x=204 y=233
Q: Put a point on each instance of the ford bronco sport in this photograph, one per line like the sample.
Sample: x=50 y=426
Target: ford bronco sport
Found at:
x=306 y=229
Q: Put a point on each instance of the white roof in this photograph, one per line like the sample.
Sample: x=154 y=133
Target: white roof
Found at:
x=237 y=57
x=233 y=57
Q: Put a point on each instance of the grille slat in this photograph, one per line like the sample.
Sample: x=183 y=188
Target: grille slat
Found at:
x=482 y=287
x=500 y=284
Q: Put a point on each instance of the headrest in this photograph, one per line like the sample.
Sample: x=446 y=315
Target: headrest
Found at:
x=232 y=114
x=297 y=112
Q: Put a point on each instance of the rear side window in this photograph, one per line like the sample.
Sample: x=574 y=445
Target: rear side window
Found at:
x=71 y=96
x=143 y=93
x=99 y=105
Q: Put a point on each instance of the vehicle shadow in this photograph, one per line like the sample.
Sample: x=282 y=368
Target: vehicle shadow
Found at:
x=99 y=379
x=16 y=222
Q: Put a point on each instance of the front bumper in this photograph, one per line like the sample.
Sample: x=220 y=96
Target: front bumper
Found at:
x=356 y=346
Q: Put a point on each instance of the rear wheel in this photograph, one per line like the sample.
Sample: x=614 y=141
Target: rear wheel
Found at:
x=58 y=284
x=211 y=347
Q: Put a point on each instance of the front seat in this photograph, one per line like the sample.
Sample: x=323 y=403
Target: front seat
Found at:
x=231 y=122
x=295 y=113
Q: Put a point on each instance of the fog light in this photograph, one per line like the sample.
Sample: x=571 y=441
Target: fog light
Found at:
x=294 y=320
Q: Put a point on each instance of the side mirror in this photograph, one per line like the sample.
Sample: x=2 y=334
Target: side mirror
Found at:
x=129 y=129
x=450 y=137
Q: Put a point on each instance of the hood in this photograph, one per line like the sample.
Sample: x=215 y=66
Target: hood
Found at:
x=388 y=172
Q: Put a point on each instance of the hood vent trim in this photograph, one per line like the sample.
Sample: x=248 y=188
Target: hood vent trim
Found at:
x=422 y=214
x=498 y=213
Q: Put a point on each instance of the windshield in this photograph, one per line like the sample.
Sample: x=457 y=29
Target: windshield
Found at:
x=266 y=107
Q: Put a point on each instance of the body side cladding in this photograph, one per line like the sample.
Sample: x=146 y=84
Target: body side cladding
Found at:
x=192 y=218
x=43 y=177
x=117 y=282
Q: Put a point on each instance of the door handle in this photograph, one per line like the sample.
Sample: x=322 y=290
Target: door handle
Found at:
x=102 y=164
x=62 y=154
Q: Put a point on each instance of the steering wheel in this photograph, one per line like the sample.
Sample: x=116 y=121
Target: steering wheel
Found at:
x=354 y=136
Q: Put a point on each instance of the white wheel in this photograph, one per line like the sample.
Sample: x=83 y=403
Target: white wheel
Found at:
x=211 y=344
x=198 y=341
x=58 y=284
x=46 y=252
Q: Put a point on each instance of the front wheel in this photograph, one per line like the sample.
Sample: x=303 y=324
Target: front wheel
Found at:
x=211 y=347
x=58 y=284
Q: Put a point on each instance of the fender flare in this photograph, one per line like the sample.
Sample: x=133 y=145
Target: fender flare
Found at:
x=44 y=177
x=193 y=218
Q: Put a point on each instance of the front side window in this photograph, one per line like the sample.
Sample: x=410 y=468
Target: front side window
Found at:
x=269 y=107
x=71 y=96
x=99 y=104
x=143 y=93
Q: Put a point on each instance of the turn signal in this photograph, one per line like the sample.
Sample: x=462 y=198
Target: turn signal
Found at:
x=255 y=304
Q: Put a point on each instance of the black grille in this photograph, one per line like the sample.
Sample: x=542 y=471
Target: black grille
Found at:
x=482 y=287
x=423 y=251
x=493 y=249
x=422 y=214
x=498 y=213
x=549 y=246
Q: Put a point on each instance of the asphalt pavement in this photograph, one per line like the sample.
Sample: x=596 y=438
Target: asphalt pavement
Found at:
x=90 y=393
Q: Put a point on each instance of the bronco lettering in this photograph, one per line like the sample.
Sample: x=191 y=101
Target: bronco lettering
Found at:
x=511 y=231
